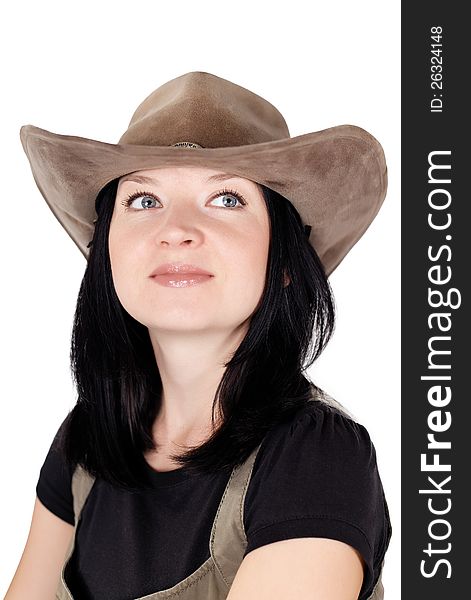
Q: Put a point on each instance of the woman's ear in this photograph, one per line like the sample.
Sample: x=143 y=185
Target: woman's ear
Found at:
x=287 y=278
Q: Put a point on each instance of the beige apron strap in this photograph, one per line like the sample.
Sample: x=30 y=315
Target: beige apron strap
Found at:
x=228 y=539
x=378 y=590
x=82 y=483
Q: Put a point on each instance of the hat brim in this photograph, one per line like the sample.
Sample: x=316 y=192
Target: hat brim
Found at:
x=336 y=178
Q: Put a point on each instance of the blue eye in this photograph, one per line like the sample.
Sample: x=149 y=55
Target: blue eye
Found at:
x=150 y=197
x=234 y=194
x=131 y=197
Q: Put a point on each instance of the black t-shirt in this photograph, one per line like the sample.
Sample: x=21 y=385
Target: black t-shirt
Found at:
x=314 y=476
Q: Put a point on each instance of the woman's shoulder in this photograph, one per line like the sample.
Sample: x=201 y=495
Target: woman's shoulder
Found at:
x=320 y=447
x=316 y=475
x=54 y=485
x=322 y=423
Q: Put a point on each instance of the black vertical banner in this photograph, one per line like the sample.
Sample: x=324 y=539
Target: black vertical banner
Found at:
x=436 y=329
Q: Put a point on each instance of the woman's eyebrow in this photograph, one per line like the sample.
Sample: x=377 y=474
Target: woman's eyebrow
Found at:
x=150 y=180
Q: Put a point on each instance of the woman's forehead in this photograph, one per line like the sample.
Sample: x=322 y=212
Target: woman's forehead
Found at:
x=196 y=174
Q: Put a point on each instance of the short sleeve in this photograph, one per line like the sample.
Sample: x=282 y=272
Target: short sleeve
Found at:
x=54 y=484
x=317 y=476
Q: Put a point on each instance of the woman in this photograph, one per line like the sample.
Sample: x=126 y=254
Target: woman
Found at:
x=199 y=461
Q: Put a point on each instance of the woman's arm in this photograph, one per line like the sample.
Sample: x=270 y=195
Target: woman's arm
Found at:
x=38 y=572
x=299 y=569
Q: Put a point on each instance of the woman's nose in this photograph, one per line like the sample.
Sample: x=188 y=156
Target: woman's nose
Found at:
x=180 y=224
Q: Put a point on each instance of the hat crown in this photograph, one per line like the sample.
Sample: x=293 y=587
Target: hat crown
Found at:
x=207 y=110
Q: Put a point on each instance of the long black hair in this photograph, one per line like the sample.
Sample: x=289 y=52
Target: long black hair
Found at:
x=117 y=379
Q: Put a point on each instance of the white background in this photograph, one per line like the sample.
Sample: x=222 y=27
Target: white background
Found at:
x=82 y=69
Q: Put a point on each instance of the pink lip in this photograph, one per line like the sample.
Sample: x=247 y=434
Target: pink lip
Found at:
x=181 y=279
x=179 y=269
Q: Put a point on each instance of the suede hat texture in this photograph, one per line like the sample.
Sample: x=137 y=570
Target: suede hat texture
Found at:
x=336 y=178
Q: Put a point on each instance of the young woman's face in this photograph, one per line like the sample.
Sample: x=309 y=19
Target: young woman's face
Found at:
x=181 y=215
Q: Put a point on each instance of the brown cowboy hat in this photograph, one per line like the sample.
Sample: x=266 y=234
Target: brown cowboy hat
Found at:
x=336 y=178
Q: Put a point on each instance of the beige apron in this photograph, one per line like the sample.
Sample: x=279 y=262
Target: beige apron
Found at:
x=213 y=579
